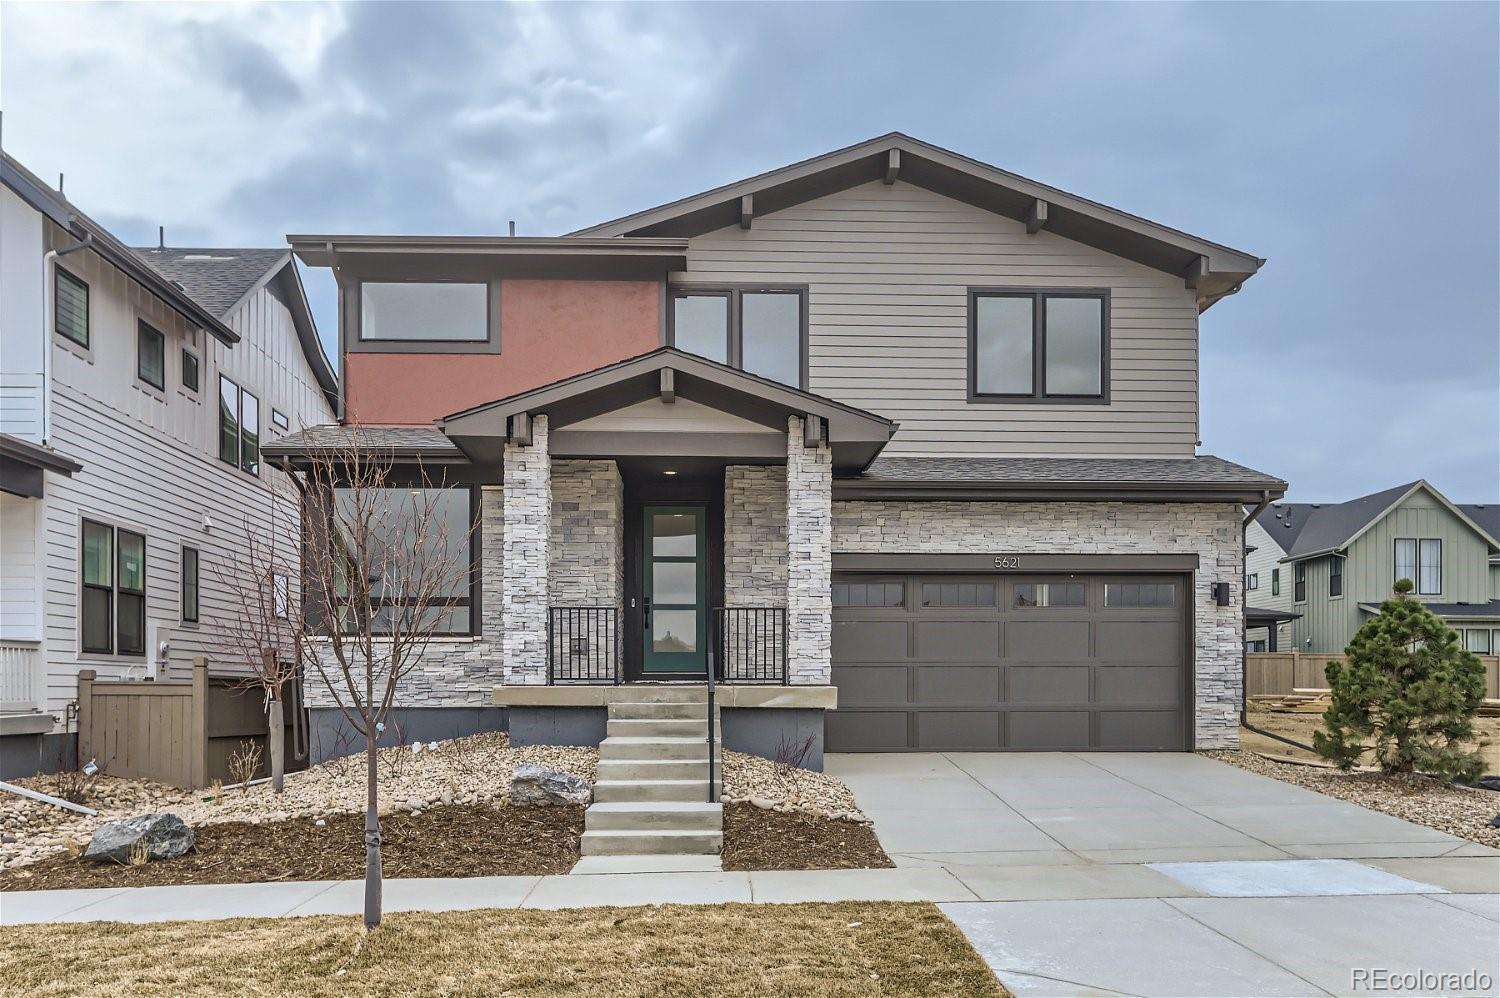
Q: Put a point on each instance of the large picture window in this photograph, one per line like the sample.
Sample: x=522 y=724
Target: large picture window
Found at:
x=239 y=427
x=1038 y=345
x=429 y=312
x=762 y=331
x=453 y=511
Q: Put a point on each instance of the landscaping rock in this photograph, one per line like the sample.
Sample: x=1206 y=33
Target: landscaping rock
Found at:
x=1489 y=783
x=536 y=786
x=166 y=837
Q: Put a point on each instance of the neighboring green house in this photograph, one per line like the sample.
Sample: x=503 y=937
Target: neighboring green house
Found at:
x=1333 y=564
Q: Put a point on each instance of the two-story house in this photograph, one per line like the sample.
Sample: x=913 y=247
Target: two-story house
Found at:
x=1333 y=564
x=900 y=444
x=136 y=390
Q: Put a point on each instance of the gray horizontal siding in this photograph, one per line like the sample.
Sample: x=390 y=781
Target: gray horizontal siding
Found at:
x=888 y=270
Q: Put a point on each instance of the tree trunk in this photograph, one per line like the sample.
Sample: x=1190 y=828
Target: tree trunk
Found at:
x=372 y=832
x=276 y=743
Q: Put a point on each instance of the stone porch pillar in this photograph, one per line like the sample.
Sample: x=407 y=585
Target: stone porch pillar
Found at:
x=525 y=563
x=809 y=541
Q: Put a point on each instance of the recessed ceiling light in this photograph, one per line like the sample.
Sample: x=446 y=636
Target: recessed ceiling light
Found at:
x=669 y=471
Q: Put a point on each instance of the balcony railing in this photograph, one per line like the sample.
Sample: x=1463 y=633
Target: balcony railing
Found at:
x=750 y=644
x=583 y=644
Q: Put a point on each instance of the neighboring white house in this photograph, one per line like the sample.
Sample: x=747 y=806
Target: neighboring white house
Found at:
x=136 y=388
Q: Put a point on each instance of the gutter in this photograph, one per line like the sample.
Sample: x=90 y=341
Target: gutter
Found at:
x=1265 y=500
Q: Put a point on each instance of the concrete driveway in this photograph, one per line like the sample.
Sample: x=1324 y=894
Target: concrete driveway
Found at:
x=1174 y=874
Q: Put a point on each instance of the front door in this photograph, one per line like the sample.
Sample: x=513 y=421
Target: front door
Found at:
x=675 y=605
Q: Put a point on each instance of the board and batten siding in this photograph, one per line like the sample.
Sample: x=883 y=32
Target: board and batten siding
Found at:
x=151 y=465
x=888 y=269
x=21 y=317
x=1261 y=562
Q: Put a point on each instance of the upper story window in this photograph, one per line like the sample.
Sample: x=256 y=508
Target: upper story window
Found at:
x=1335 y=576
x=1275 y=582
x=1299 y=582
x=430 y=312
x=71 y=307
x=1405 y=560
x=239 y=427
x=189 y=370
x=762 y=331
x=151 y=356
x=1429 y=566
x=1038 y=345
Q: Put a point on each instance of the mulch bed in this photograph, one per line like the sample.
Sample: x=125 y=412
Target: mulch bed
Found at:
x=442 y=842
x=759 y=839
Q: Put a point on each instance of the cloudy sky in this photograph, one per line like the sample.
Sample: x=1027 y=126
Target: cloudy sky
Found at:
x=1357 y=146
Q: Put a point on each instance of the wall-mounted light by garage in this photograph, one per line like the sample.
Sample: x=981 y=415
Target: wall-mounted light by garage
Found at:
x=1221 y=593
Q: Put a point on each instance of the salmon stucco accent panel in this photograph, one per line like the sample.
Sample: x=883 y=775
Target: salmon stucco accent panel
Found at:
x=548 y=330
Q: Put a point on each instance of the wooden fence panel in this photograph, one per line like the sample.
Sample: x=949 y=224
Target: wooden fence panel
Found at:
x=1283 y=672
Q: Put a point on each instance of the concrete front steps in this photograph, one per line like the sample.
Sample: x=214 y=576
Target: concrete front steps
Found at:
x=651 y=795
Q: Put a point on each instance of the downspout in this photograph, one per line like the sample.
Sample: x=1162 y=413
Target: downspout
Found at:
x=49 y=306
x=1265 y=501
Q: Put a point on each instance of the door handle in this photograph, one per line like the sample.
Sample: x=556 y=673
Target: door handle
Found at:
x=646 y=601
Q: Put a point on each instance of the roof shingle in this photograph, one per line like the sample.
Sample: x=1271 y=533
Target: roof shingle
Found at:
x=215 y=278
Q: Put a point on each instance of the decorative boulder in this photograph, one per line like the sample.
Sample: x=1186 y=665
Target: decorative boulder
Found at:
x=166 y=837
x=536 y=786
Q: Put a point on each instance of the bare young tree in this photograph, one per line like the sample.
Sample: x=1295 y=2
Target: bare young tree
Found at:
x=257 y=578
x=385 y=563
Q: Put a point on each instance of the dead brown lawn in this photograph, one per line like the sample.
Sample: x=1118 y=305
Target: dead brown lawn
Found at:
x=689 y=951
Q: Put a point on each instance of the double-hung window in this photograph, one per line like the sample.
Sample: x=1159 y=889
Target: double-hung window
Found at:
x=151 y=355
x=1335 y=576
x=1429 y=566
x=1038 y=345
x=762 y=331
x=1299 y=582
x=239 y=427
x=113 y=598
x=70 y=307
x=1406 y=559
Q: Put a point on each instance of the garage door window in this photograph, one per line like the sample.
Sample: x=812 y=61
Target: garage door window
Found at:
x=1140 y=594
x=1043 y=594
x=869 y=594
x=958 y=594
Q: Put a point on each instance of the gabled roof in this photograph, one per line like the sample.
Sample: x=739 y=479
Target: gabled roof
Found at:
x=1306 y=530
x=223 y=279
x=99 y=239
x=854 y=435
x=1487 y=515
x=1213 y=269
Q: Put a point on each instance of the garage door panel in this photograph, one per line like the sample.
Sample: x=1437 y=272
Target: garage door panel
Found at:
x=1036 y=730
x=869 y=641
x=966 y=730
x=956 y=640
x=1140 y=729
x=872 y=684
x=1139 y=640
x=1048 y=683
x=870 y=730
x=1048 y=640
x=1157 y=685
x=964 y=685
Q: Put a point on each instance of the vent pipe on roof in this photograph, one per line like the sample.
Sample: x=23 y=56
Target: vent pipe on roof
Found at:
x=59 y=182
x=161 y=237
x=513 y=227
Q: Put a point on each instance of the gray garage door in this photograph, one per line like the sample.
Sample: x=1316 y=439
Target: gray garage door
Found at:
x=941 y=662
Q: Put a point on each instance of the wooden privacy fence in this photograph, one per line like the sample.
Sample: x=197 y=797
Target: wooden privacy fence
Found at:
x=1277 y=673
x=178 y=732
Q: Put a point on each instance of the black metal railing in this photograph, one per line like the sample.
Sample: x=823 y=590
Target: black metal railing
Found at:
x=750 y=644
x=583 y=644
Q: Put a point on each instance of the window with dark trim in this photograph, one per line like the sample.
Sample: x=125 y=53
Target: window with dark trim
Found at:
x=424 y=311
x=189 y=585
x=1140 y=594
x=279 y=420
x=458 y=508
x=867 y=594
x=130 y=579
x=1275 y=582
x=1029 y=345
x=760 y=330
x=97 y=574
x=150 y=355
x=281 y=595
x=1299 y=582
x=70 y=307
x=189 y=370
x=958 y=594
x=1405 y=558
x=1045 y=594
x=1429 y=566
x=1477 y=640
x=1252 y=581
x=239 y=427
x=1335 y=576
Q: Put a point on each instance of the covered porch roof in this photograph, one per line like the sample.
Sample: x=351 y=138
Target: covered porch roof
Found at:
x=23 y=466
x=668 y=402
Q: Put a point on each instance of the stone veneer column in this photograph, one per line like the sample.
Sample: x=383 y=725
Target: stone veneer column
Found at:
x=524 y=572
x=809 y=541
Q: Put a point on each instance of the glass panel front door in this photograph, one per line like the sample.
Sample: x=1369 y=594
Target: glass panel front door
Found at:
x=676 y=609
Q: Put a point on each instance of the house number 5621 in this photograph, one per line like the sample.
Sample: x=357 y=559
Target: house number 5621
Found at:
x=1007 y=561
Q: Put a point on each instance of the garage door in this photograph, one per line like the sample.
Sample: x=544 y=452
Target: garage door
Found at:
x=942 y=662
